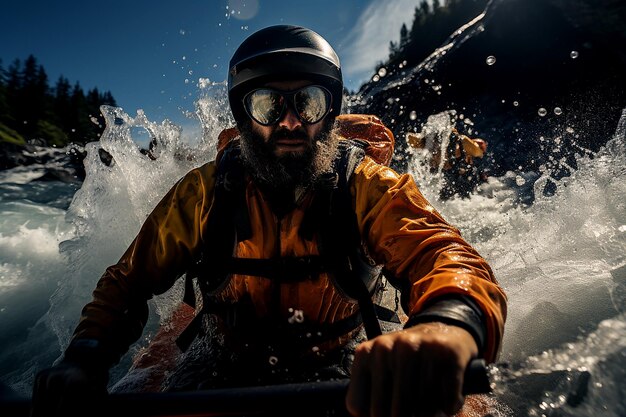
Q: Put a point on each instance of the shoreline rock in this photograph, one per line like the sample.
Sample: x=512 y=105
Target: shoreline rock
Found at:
x=59 y=164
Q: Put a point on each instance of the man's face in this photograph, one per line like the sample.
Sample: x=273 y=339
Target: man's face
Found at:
x=289 y=153
x=290 y=135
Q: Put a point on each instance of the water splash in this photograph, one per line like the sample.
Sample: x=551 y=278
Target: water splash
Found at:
x=574 y=379
x=562 y=262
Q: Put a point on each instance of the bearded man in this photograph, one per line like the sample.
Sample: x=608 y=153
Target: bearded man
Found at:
x=287 y=234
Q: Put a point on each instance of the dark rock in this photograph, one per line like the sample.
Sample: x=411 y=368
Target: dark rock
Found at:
x=59 y=164
x=549 y=54
x=12 y=155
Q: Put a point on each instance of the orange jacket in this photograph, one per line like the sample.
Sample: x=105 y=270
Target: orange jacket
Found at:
x=400 y=228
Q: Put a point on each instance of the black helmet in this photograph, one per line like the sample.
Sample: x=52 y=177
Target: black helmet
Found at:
x=283 y=52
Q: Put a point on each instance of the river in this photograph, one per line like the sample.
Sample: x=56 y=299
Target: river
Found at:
x=561 y=258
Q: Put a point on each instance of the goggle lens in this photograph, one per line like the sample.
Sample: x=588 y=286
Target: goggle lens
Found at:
x=312 y=104
x=266 y=106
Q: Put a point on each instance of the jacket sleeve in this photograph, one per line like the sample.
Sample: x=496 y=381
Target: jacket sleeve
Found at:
x=425 y=255
x=168 y=241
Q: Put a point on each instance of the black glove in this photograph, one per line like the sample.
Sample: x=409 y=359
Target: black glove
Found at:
x=77 y=386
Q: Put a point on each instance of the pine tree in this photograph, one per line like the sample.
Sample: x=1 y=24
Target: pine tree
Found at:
x=30 y=109
x=432 y=25
x=4 y=107
x=13 y=88
x=61 y=105
x=404 y=35
x=93 y=102
x=78 y=104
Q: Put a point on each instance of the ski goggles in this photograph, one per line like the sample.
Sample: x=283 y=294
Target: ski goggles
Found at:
x=267 y=106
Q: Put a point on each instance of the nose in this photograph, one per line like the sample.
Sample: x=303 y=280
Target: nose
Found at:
x=289 y=120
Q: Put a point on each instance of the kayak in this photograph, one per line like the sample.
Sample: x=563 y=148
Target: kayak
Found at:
x=155 y=361
x=141 y=390
x=318 y=398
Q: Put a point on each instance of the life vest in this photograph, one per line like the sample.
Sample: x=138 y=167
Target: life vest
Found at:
x=342 y=253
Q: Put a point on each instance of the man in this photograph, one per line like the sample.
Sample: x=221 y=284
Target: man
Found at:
x=286 y=234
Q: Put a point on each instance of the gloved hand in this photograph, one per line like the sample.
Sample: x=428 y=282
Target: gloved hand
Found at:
x=69 y=389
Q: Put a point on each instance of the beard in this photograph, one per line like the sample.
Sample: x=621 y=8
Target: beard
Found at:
x=290 y=170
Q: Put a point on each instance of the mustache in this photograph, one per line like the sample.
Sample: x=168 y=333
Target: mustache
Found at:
x=284 y=133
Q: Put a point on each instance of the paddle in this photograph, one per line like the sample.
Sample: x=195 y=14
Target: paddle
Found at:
x=293 y=399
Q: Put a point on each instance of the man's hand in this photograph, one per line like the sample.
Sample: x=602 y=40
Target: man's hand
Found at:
x=413 y=372
x=68 y=389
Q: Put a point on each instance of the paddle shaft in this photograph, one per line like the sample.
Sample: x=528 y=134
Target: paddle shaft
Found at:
x=301 y=398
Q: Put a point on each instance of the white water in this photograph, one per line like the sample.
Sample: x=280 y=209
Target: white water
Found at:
x=561 y=260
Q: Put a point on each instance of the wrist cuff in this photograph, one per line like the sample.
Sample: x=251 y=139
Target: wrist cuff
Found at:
x=457 y=311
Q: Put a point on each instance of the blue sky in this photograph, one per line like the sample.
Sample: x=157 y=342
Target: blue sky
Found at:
x=151 y=54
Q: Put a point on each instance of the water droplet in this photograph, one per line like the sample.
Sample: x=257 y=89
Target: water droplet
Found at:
x=542 y=112
x=273 y=360
x=382 y=72
x=622 y=228
x=298 y=317
x=558 y=111
x=190 y=72
x=573 y=54
x=491 y=60
x=519 y=180
x=182 y=32
x=413 y=115
x=376 y=78
x=315 y=349
x=516 y=103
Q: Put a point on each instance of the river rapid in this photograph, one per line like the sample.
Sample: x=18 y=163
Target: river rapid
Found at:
x=560 y=258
